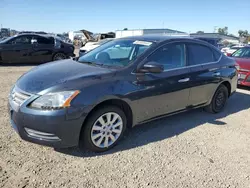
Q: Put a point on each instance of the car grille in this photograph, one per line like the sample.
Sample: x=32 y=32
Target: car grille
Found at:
x=18 y=96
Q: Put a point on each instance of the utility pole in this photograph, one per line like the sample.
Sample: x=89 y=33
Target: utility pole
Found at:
x=215 y=29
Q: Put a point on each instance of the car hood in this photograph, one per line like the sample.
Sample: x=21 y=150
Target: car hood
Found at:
x=244 y=63
x=51 y=74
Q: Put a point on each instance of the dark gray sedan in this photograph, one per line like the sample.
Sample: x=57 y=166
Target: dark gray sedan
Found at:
x=117 y=85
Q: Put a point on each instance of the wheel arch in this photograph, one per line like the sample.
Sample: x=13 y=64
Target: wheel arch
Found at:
x=57 y=52
x=123 y=105
x=228 y=86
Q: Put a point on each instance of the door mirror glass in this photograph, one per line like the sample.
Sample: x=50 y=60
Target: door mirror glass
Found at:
x=152 y=67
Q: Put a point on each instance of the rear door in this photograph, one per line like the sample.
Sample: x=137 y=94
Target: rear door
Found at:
x=43 y=48
x=205 y=72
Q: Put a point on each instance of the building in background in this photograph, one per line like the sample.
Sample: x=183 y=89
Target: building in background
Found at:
x=221 y=38
x=138 y=32
x=13 y=32
x=4 y=32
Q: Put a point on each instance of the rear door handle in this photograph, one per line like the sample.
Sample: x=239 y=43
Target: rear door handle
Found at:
x=183 y=80
x=216 y=74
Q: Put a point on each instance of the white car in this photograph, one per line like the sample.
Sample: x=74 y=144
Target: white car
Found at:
x=91 y=45
x=230 y=50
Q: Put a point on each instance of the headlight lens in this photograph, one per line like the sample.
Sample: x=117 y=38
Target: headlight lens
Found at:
x=56 y=100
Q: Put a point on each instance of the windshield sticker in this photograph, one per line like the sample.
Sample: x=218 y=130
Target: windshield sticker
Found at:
x=145 y=43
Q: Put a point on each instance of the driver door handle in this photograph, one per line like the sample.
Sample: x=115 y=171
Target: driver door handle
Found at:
x=183 y=80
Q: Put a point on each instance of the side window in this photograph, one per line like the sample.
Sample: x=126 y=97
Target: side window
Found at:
x=199 y=54
x=171 y=56
x=43 y=40
x=22 y=40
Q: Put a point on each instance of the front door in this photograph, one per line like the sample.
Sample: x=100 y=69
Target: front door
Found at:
x=17 y=50
x=166 y=92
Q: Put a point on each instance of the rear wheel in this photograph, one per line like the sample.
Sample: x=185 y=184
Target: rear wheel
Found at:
x=59 y=56
x=219 y=100
x=103 y=129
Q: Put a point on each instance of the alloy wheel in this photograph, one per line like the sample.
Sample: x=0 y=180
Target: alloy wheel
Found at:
x=106 y=130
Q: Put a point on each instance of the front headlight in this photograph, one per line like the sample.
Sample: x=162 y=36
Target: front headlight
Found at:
x=52 y=101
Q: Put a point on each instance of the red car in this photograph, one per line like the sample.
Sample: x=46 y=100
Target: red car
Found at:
x=242 y=57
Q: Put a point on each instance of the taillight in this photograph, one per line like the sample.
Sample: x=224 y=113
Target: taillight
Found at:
x=228 y=54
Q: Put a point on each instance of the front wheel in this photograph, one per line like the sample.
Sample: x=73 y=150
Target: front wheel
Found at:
x=103 y=129
x=219 y=100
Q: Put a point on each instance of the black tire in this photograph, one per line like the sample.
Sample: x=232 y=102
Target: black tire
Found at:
x=59 y=56
x=85 y=139
x=219 y=100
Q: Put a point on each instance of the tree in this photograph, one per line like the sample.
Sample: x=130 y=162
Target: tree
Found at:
x=223 y=31
x=125 y=28
x=200 y=32
x=243 y=36
x=243 y=33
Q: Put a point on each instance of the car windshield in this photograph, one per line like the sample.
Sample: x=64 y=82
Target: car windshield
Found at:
x=103 y=41
x=242 y=53
x=6 y=39
x=117 y=53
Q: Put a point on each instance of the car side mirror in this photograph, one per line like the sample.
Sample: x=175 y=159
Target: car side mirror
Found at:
x=152 y=67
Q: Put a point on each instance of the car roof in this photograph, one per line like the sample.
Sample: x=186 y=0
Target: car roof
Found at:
x=161 y=38
x=41 y=35
x=155 y=38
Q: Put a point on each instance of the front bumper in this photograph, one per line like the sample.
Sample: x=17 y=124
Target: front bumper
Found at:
x=244 y=78
x=58 y=129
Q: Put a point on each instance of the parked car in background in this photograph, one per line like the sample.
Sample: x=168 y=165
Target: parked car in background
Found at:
x=120 y=84
x=228 y=51
x=91 y=45
x=34 y=48
x=242 y=57
x=213 y=41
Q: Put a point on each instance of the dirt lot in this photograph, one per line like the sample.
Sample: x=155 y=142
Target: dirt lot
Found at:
x=193 y=149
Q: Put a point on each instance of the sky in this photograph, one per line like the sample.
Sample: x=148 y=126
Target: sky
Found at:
x=110 y=15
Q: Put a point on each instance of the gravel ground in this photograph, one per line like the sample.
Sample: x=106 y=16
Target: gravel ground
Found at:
x=192 y=149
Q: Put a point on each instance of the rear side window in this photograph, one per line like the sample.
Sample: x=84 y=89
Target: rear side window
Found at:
x=217 y=55
x=199 y=54
x=43 y=40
